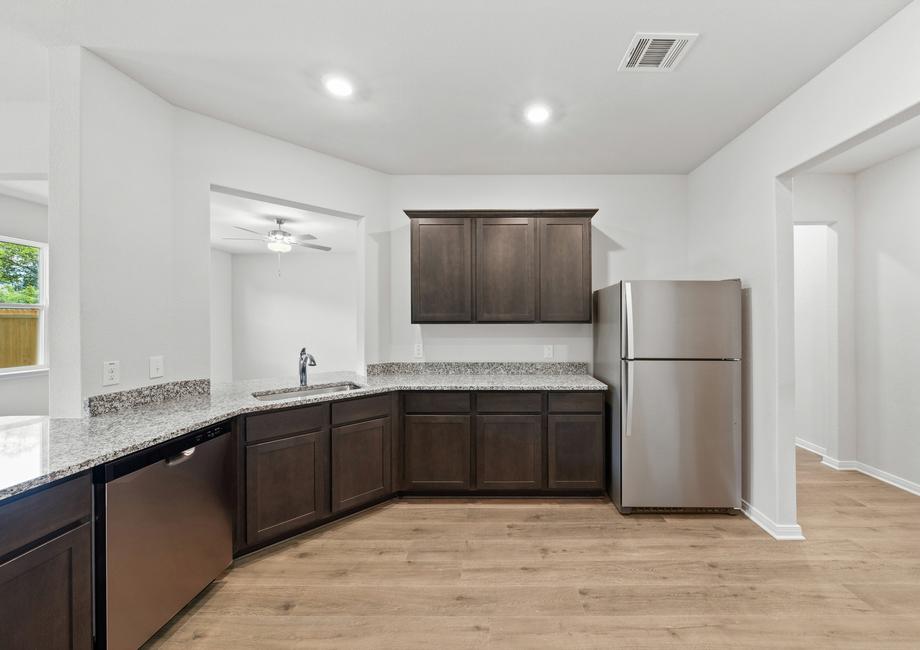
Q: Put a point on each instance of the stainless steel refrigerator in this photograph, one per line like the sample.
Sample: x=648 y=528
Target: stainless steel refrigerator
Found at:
x=671 y=354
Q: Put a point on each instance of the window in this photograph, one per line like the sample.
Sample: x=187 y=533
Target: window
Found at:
x=22 y=304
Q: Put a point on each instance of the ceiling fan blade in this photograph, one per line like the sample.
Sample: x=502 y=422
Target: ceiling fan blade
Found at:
x=245 y=238
x=248 y=230
x=316 y=246
x=307 y=237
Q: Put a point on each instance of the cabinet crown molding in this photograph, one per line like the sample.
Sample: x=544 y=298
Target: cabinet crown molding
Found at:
x=454 y=214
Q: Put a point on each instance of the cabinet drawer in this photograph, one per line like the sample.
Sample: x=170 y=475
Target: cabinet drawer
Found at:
x=437 y=402
x=283 y=423
x=576 y=402
x=502 y=402
x=28 y=519
x=361 y=409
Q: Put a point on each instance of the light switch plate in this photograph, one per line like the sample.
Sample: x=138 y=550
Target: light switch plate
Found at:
x=111 y=373
x=156 y=367
x=418 y=352
x=547 y=351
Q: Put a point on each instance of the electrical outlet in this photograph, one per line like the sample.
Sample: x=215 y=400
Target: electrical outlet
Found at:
x=418 y=352
x=156 y=367
x=547 y=351
x=111 y=373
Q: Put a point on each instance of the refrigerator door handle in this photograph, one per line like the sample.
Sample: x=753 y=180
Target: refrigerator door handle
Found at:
x=630 y=332
x=629 y=399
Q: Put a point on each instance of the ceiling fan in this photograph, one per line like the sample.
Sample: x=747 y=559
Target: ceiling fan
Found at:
x=280 y=240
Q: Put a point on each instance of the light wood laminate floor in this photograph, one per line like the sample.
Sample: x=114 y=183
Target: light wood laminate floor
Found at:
x=576 y=574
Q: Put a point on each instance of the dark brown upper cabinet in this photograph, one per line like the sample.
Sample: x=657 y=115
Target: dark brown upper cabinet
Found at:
x=506 y=270
x=442 y=270
x=501 y=266
x=565 y=269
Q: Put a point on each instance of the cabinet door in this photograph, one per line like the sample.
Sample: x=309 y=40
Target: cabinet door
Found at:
x=565 y=269
x=360 y=463
x=442 y=270
x=509 y=452
x=437 y=452
x=285 y=485
x=506 y=268
x=46 y=595
x=575 y=446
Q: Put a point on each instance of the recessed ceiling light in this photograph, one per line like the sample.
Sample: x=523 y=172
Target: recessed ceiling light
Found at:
x=338 y=86
x=538 y=113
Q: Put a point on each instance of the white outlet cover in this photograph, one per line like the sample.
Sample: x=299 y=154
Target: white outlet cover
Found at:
x=418 y=351
x=111 y=373
x=156 y=367
x=547 y=351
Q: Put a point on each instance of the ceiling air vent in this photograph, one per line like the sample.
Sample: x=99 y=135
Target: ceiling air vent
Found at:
x=656 y=52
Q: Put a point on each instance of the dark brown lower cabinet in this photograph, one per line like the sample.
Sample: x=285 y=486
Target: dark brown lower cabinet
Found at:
x=361 y=463
x=46 y=594
x=437 y=452
x=285 y=485
x=509 y=452
x=575 y=446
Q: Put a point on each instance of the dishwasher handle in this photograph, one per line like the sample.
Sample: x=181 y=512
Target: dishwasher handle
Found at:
x=179 y=458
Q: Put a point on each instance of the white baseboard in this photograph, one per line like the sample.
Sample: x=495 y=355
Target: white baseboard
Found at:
x=783 y=532
x=810 y=446
x=874 y=472
x=840 y=465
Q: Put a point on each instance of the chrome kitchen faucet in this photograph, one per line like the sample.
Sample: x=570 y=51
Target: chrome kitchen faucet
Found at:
x=306 y=359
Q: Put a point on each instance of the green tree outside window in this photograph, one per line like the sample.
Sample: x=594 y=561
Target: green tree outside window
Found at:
x=19 y=266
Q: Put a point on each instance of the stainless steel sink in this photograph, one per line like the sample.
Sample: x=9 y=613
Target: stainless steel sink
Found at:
x=272 y=396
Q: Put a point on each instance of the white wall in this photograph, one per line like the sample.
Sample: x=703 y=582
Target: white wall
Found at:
x=888 y=314
x=740 y=224
x=639 y=232
x=24 y=134
x=221 y=316
x=64 y=325
x=313 y=304
x=812 y=335
x=110 y=229
x=128 y=273
x=23 y=394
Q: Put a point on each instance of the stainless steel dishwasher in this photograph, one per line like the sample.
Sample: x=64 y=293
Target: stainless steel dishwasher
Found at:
x=165 y=533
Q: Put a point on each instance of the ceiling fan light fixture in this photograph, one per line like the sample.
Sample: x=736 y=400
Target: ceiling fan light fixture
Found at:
x=279 y=246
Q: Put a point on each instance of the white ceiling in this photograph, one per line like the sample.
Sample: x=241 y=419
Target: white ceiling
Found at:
x=35 y=191
x=228 y=211
x=885 y=146
x=441 y=85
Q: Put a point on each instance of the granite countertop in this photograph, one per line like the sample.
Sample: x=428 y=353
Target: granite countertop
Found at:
x=35 y=451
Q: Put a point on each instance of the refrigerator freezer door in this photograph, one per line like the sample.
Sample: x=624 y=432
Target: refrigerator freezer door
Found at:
x=682 y=320
x=681 y=438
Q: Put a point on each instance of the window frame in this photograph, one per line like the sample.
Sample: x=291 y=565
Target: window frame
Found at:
x=41 y=306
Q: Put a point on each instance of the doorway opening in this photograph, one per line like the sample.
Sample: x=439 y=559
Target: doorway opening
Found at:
x=816 y=327
x=856 y=265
